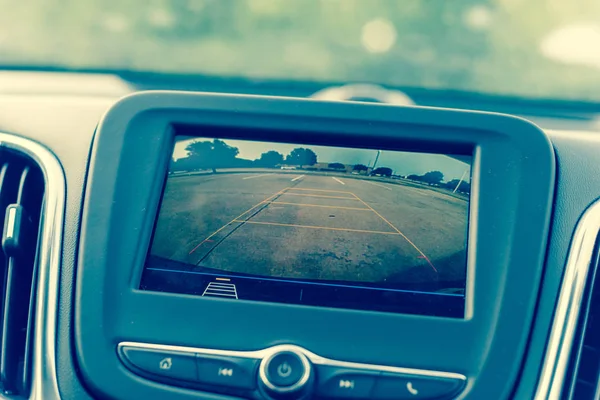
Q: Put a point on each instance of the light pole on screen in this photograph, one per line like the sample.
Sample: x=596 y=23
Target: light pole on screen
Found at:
x=376 y=158
x=460 y=181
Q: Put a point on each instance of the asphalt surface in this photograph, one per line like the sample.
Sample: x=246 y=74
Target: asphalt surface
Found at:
x=299 y=225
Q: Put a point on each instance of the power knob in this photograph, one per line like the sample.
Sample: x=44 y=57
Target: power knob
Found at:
x=286 y=374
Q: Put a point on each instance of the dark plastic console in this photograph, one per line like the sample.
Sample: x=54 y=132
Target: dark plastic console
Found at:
x=284 y=372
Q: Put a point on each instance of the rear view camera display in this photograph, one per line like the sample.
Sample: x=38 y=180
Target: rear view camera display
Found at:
x=311 y=225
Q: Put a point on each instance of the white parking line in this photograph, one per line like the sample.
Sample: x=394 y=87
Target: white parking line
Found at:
x=221 y=285
x=377 y=184
x=221 y=290
x=255 y=176
x=337 y=180
x=298 y=177
x=227 y=290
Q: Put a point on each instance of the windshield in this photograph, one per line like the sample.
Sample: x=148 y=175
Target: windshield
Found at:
x=529 y=48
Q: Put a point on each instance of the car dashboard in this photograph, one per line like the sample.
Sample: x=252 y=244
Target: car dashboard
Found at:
x=94 y=321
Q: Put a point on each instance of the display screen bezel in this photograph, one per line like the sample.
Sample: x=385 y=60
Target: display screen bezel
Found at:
x=511 y=201
x=405 y=301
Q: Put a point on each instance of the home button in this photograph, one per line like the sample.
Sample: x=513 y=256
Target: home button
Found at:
x=160 y=363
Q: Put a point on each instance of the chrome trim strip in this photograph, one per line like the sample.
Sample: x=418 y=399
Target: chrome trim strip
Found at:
x=566 y=315
x=315 y=359
x=44 y=383
x=262 y=370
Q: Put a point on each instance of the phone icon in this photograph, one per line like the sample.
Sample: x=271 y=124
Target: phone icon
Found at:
x=411 y=389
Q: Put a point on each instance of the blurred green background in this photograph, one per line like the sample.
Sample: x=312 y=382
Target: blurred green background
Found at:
x=529 y=48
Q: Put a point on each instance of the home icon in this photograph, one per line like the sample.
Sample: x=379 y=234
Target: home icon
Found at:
x=165 y=363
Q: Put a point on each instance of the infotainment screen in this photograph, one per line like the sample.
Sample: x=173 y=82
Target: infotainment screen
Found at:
x=352 y=228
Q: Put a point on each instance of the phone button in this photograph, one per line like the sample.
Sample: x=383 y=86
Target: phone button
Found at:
x=396 y=386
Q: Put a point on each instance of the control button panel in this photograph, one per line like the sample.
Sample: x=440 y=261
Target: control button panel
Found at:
x=284 y=372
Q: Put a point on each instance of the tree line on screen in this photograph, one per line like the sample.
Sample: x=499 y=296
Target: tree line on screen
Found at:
x=436 y=177
x=216 y=154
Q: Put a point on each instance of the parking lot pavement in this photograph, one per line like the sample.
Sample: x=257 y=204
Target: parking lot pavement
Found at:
x=300 y=225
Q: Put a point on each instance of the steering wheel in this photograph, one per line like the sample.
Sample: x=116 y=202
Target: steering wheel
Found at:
x=363 y=92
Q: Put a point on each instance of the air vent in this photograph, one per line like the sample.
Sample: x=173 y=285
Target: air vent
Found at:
x=584 y=369
x=21 y=201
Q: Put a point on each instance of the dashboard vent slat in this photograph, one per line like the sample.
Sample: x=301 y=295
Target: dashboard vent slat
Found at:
x=21 y=201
